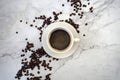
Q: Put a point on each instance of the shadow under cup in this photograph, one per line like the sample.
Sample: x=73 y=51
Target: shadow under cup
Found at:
x=59 y=40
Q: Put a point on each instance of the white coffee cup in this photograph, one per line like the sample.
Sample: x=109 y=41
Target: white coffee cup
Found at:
x=74 y=40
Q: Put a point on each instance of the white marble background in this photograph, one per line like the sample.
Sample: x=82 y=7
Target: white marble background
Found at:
x=98 y=56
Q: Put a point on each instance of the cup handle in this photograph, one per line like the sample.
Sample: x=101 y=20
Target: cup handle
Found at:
x=76 y=39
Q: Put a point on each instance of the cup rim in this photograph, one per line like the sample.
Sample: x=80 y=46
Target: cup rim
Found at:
x=64 y=50
x=70 y=30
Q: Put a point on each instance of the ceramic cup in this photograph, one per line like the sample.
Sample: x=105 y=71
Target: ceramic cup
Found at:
x=70 y=49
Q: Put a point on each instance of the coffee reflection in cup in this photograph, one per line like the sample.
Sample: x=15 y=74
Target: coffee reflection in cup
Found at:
x=59 y=39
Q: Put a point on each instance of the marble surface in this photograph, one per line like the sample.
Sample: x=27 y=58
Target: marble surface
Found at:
x=98 y=56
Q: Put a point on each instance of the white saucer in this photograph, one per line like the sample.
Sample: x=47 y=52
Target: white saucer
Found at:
x=74 y=39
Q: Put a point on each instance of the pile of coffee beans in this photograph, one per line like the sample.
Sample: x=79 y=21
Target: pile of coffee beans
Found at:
x=34 y=60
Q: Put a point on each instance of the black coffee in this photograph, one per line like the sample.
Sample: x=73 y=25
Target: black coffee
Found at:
x=59 y=39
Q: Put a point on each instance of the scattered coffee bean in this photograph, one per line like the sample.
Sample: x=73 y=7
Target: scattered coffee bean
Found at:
x=38 y=72
x=22 y=55
x=88 y=3
x=48 y=77
x=78 y=31
x=63 y=5
x=22 y=50
x=72 y=14
x=20 y=20
x=16 y=32
x=83 y=34
x=33 y=20
x=26 y=22
x=26 y=38
x=91 y=9
x=25 y=59
x=35 y=26
x=86 y=24
x=49 y=60
x=84 y=5
x=36 y=54
x=31 y=25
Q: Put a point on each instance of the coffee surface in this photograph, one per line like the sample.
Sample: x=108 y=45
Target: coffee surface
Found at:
x=59 y=39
